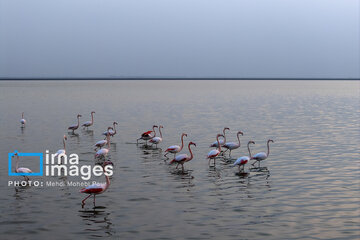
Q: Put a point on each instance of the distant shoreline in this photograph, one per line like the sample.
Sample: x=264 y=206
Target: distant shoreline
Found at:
x=171 y=78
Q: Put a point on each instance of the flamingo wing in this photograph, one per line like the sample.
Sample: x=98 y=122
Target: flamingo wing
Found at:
x=87 y=123
x=155 y=140
x=173 y=149
x=213 y=153
x=23 y=121
x=259 y=156
x=101 y=143
x=231 y=145
x=61 y=151
x=93 y=189
x=23 y=170
x=146 y=133
x=72 y=127
x=241 y=160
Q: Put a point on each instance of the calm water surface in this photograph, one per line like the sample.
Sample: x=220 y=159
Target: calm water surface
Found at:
x=311 y=191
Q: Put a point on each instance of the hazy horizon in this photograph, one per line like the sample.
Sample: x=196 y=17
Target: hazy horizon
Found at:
x=180 y=39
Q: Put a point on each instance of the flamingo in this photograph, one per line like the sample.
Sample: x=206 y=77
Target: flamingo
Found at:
x=22 y=120
x=157 y=140
x=87 y=124
x=112 y=132
x=21 y=170
x=182 y=158
x=222 y=141
x=102 y=143
x=103 y=151
x=74 y=127
x=147 y=135
x=97 y=188
x=61 y=151
x=215 y=152
x=175 y=148
x=233 y=145
x=241 y=161
x=261 y=155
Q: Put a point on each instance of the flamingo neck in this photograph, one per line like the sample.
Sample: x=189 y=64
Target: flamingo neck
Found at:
x=224 y=136
x=92 y=118
x=238 y=139
x=22 y=115
x=160 y=132
x=108 y=140
x=17 y=163
x=107 y=181
x=249 y=150
x=191 y=153
x=217 y=139
x=182 y=142
x=154 y=131
x=114 y=128
x=268 y=149
x=64 y=144
x=78 y=121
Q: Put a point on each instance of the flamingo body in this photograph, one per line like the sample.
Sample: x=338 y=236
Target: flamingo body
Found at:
x=173 y=149
x=102 y=152
x=23 y=170
x=94 y=189
x=241 y=161
x=259 y=156
x=156 y=140
x=213 y=153
x=101 y=143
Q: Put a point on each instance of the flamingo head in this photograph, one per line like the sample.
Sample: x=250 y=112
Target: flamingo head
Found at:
x=115 y=123
x=252 y=142
x=65 y=137
x=155 y=126
x=219 y=135
x=270 y=140
x=184 y=134
x=78 y=116
x=161 y=126
x=226 y=128
x=192 y=143
x=110 y=128
x=241 y=133
x=92 y=112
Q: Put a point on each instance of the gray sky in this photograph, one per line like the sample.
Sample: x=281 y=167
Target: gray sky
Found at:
x=184 y=38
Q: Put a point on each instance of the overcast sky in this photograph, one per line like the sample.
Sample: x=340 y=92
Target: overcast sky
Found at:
x=184 y=38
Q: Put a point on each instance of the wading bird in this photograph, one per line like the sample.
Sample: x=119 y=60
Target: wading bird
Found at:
x=21 y=170
x=261 y=155
x=74 y=127
x=97 y=188
x=183 y=158
x=233 y=145
x=222 y=141
x=175 y=148
x=102 y=143
x=215 y=152
x=157 y=140
x=147 y=135
x=89 y=123
x=22 y=120
x=61 y=151
x=112 y=131
x=103 y=151
x=241 y=161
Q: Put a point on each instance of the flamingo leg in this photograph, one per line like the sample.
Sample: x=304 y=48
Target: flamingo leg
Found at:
x=182 y=168
x=177 y=166
x=94 y=200
x=83 y=201
x=230 y=154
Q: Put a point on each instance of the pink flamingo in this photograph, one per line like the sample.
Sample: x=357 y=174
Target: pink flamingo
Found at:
x=157 y=140
x=147 y=135
x=22 y=120
x=87 y=124
x=102 y=153
x=112 y=131
x=21 y=169
x=102 y=143
x=222 y=141
x=96 y=188
x=62 y=151
x=233 y=145
x=175 y=148
x=74 y=127
x=215 y=152
x=261 y=155
x=241 y=161
x=182 y=158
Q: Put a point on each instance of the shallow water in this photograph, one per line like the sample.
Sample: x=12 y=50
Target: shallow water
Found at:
x=310 y=191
